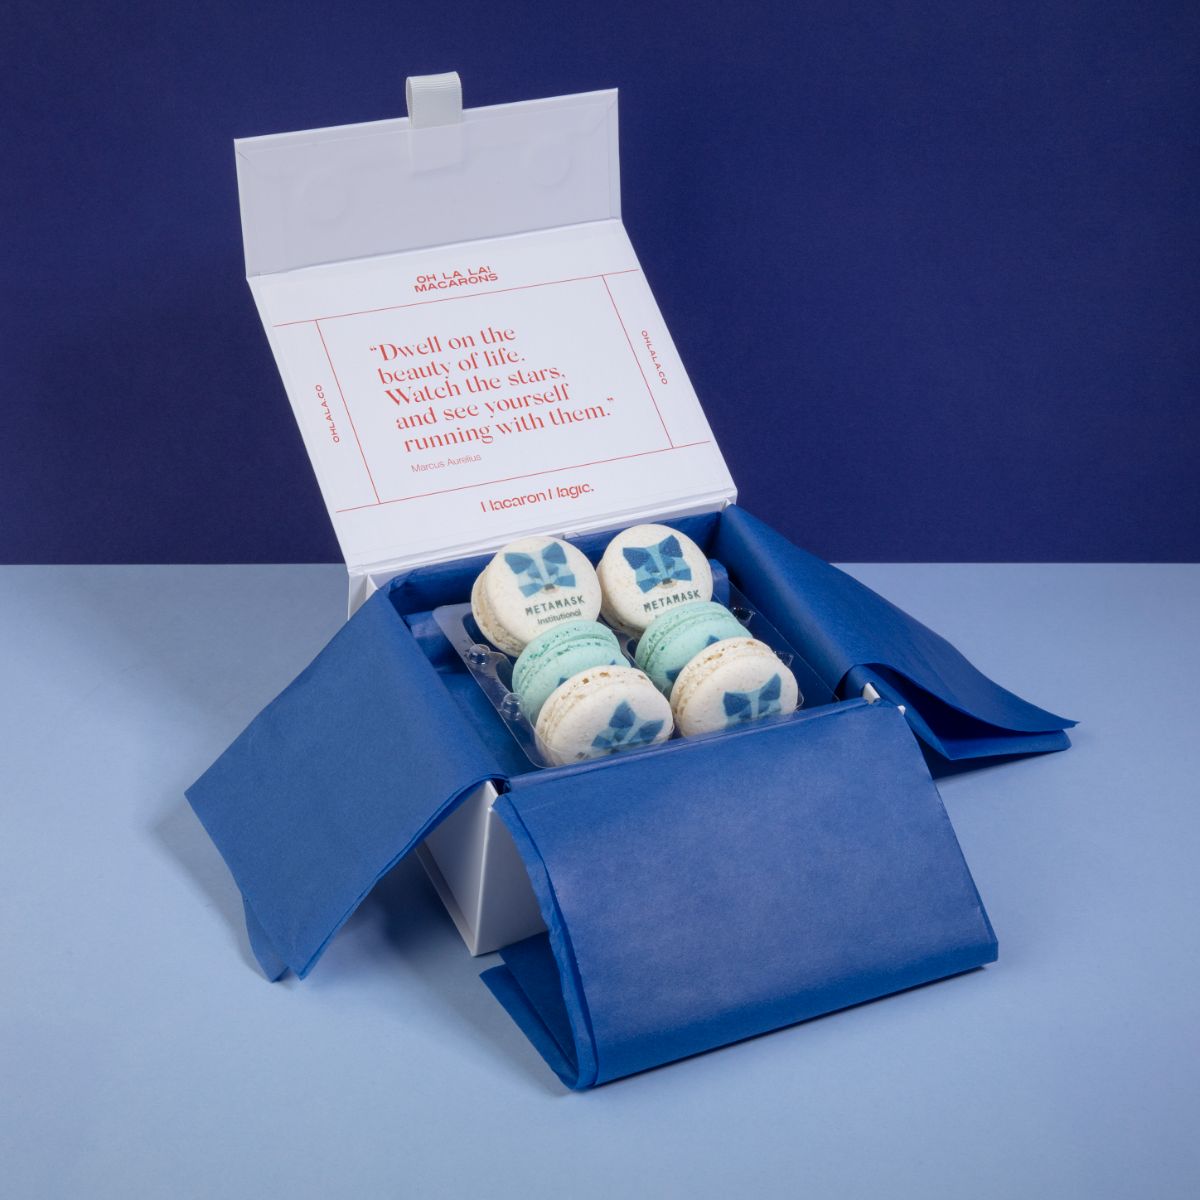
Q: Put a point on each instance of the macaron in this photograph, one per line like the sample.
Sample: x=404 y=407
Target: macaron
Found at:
x=554 y=656
x=647 y=570
x=735 y=680
x=676 y=637
x=600 y=711
x=530 y=586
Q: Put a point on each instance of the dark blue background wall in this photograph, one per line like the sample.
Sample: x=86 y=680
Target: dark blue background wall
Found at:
x=932 y=267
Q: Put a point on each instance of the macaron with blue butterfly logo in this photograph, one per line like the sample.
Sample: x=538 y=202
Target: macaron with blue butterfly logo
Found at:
x=647 y=570
x=733 y=681
x=602 y=711
x=530 y=586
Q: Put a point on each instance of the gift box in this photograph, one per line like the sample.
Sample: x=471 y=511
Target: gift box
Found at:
x=473 y=355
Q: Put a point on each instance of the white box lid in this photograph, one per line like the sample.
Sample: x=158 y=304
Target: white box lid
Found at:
x=468 y=342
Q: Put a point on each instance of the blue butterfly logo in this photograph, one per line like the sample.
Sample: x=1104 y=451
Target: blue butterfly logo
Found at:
x=663 y=563
x=624 y=730
x=749 y=706
x=541 y=572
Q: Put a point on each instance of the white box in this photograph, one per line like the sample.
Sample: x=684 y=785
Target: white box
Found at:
x=475 y=867
x=472 y=354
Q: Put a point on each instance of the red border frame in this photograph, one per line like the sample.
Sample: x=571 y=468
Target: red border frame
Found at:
x=379 y=502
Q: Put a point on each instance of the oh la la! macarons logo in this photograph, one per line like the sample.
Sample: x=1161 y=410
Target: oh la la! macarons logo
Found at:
x=541 y=571
x=464 y=277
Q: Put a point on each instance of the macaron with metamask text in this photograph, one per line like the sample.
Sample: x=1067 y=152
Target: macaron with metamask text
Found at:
x=532 y=585
x=647 y=570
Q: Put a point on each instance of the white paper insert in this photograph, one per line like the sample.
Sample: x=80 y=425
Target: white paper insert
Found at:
x=458 y=396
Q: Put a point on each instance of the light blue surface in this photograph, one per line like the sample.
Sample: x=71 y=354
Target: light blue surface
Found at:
x=142 y=1055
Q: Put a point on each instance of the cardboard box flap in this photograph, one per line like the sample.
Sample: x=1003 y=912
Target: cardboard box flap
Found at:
x=468 y=342
x=343 y=774
x=682 y=917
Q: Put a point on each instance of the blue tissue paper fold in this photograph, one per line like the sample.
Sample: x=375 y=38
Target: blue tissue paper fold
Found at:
x=335 y=781
x=853 y=636
x=386 y=732
x=685 y=910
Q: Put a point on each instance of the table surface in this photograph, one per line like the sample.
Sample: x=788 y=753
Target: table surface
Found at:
x=141 y=1054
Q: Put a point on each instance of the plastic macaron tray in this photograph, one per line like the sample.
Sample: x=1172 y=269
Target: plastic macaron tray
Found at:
x=582 y=662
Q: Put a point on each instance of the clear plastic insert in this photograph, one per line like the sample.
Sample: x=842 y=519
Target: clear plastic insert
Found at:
x=493 y=670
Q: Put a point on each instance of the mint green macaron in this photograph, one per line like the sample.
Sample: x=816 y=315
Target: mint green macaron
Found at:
x=555 y=656
x=676 y=637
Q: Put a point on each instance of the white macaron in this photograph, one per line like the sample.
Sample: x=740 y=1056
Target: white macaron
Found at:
x=647 y=570
x=732 y=681
x=600 y=711
x=530 y=586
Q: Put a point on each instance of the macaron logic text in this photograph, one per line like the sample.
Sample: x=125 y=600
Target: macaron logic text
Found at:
x=561 y=491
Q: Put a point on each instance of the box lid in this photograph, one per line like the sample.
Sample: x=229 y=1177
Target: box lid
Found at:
x=468 y=341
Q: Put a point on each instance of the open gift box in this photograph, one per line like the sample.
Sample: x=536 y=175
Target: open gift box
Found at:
x=473 y=355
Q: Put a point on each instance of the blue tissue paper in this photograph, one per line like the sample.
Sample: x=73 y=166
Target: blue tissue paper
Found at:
x=853 y=636
x=695 y=893
x=336 y=780
x=686 y=910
